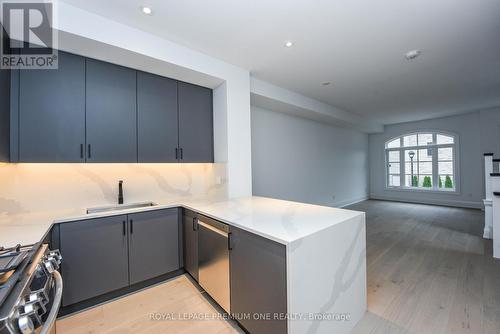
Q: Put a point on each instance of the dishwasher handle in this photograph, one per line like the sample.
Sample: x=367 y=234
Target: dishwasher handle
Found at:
x=214 y=229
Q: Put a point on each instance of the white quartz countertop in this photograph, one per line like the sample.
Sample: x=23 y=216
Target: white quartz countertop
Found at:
x=278 y=220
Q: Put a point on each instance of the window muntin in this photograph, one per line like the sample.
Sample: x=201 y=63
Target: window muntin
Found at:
x=432 y=158
x=446 y=169
x=394 y=168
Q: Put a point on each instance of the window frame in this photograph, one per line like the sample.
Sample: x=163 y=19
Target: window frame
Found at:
x=435 y=166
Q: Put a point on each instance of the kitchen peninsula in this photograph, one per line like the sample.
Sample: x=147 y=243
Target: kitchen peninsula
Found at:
x=321 y=252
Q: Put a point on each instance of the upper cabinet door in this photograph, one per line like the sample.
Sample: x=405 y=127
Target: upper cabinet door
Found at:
x=111 y=113
x=157 y=122
x=52 y=112
x=5 y=80
x=195 y=123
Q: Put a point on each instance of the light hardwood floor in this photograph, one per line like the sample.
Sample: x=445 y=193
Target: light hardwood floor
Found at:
x=179 y=298
x=429 y=271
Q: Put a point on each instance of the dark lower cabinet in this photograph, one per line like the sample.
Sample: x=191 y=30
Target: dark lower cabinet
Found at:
x=153 y=244
x=103 y=255
x=190 y=243
x=258 y=282
x=111 y=113
x=95 y=259
x=107 y=254
x=52 y=112
x=195 y=123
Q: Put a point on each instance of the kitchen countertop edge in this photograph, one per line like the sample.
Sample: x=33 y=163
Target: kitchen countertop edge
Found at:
x=72 y=218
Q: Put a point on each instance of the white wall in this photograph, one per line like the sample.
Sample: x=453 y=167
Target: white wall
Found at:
x=307 y=161
x=470 y=154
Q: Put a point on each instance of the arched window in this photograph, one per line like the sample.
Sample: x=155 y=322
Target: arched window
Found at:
x=423 y=160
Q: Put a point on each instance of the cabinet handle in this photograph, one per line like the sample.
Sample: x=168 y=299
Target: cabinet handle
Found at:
x=229 y=239
x=124 y=228
x=131 y=226
x=176 y=153
x=182 y=155
x=194 y=224
x=90 y=151
x=81 y=151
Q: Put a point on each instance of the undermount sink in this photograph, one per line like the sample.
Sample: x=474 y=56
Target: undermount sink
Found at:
x=119 y=207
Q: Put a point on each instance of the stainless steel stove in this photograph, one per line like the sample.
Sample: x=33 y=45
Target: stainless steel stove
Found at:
x=30 y=289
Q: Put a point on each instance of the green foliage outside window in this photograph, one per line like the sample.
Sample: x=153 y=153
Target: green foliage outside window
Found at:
x=448 y=183
x=414 y=182
x=427 y=182
x=440 y=182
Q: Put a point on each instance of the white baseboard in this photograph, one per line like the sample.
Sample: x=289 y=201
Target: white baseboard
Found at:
x=351 y=201
x=459 y=204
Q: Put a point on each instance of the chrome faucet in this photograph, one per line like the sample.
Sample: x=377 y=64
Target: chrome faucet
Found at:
x=120 y=192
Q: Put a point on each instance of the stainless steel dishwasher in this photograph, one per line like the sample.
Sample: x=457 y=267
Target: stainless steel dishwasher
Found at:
x=213 y=260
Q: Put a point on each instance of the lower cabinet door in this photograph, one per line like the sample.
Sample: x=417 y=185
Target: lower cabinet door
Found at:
x=258 y=282
x=190 y=230
x=153 y=244
x=95 y=258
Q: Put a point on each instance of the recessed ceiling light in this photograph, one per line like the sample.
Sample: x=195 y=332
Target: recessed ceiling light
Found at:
x=147 y=10
x=413 y=54
x=326 y=83
x=289 y=44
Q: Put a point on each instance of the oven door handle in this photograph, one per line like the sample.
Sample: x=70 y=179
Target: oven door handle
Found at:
x=51 y=318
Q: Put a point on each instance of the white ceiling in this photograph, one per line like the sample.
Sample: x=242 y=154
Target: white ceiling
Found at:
x=358 y=45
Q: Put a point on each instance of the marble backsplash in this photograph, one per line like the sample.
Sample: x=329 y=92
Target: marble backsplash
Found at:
x=43 y=187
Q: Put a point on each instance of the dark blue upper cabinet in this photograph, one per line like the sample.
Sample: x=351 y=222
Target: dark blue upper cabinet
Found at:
x=195 y=123
x=111 y=113
x=92 y=111
x=52 y=112
x=4 y=115
x=157 y=121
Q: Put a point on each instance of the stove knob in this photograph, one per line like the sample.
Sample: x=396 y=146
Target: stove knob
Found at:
x=35 y=297
x=31 y=310
x=56 y=255
x=37 y=300
x=25 y=324
x=52 y=261
x=49 y=266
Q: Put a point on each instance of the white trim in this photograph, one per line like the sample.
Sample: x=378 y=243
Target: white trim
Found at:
x=459 y=204
x=351 y=201
x=423 y=190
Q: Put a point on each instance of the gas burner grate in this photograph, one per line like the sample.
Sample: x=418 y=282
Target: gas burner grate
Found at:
x=10 y=259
